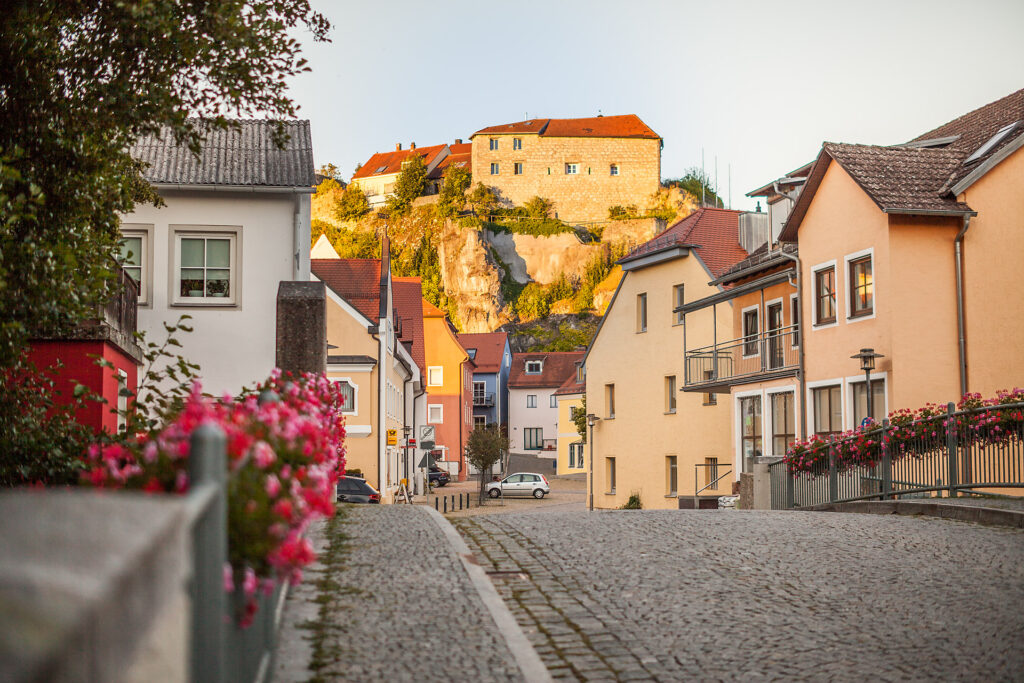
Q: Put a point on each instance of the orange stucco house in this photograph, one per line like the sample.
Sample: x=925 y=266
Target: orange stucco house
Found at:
x=449 y=373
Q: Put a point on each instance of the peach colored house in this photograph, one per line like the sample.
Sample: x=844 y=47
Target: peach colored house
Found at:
x=449 y=374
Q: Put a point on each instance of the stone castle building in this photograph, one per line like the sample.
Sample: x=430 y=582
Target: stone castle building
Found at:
x=584 y=166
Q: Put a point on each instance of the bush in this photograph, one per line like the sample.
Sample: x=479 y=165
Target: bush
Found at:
x=453 y=191
x=633 y=503
x=484 y=199
x=538 y=227
x=619 y=212
x=409 y=185
x=539 y=207
x=353 y=204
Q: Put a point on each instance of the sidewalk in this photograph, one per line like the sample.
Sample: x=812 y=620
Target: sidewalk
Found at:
x=388 y=600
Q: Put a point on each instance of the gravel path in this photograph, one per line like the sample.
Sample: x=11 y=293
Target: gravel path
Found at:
x=666 y=595
x=388 y=600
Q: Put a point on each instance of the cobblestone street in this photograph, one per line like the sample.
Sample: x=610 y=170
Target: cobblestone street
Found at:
x=637 y=595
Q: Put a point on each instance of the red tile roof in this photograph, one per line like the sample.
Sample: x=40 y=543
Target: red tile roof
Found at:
x=431 y=311
x=384 y=163
x=407 y=297
x=490 y=347
x=571 y=386
x=623 y=126
x=714 y=233
x=356 y=280
x=460 y=155
x=558 y=366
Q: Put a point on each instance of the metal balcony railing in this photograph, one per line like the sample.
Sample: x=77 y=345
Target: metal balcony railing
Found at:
x=484 y=400
x=729 y=362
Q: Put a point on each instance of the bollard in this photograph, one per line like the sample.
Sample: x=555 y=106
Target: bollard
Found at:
x=446 y=505
x=460 y=501
x=435 y=503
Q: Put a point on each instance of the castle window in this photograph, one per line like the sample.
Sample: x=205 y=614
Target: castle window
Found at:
x=494 y=144
x=494 y=169
x=517 y=169
x=572 y=169
x=613 y=169
x=517 y=143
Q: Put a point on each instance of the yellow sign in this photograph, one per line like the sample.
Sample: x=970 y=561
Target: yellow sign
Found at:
x=392 y=437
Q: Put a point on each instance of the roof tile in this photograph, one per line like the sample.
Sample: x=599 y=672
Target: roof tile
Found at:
x=557 y=367
x=357 y=281
x=385 y=163
x=713 y=232
x=621 y=126
x=490 y=347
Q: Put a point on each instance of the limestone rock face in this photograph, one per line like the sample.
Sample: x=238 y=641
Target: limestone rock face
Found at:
x=471 y=278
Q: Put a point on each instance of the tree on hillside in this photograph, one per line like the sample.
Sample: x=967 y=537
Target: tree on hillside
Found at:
x=411 y=183
x=484 y=199
x=539 y=207
x=485 y=447
x=80 y=82
x=352 y=205
x=693 y=182
x=453 y=191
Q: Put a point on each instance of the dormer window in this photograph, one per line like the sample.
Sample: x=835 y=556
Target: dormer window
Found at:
x=472 y=353
x=381 y=169
x=534 y=367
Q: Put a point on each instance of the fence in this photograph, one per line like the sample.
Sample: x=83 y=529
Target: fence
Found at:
x=222 y=651
x=965 y=451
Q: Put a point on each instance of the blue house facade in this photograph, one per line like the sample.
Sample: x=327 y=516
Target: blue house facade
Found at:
x=492 y=356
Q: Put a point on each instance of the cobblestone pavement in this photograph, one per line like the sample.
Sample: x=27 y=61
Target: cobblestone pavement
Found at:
x=388 y=600
x=728 y=595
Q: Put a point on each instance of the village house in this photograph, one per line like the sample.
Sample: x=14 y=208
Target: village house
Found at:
x=533 y=407
x=460 y=155
x=235 y=223
x=652 y=439
x=570 y=402
x=492 y=360
x=449 y=386
x=585 y=166
x=377 y=177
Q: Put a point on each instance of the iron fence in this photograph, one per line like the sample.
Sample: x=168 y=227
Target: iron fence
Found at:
x=966 y=451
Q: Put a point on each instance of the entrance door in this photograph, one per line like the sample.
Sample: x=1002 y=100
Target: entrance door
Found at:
x=533 y=438
x=775 y=352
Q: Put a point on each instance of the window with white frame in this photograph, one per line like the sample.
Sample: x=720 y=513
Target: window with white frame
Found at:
x=517 y=143
x=494 y=144
x=828 y=410
x=677 y=298
x=671 y=475
x=860 y=401
x=435 y=376
x=670 y=394
x=750 y=328
x=641 y=312
x=794 y=303
x=862 y=287
x=572 y=169
x=613 y=169
x=479 y=421
x=783 y=421
x=348 y=395
x=552 y=401
x=825 y=295
x=531 y=400
x=205 y=268
x=534 y=367
x=435 y=413
x=134 y=259
x=494 y=169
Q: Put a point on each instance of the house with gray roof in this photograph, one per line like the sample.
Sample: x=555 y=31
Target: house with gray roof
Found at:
x=234 y=224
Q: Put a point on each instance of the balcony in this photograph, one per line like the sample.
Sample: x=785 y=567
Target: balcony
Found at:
x=116 y=321
x=483 y=400
x=758 y=357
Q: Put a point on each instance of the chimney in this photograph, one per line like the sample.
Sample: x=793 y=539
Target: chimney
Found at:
x=458 y=141
x=398 y=146
x=412 y=145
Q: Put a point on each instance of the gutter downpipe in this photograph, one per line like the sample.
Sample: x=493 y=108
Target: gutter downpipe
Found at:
x=803 y=342
x=961 y=334
x=381 y=407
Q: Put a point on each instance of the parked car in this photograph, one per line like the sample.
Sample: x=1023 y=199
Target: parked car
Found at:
x=438 y=477
x=356 y=490
x=521 y=484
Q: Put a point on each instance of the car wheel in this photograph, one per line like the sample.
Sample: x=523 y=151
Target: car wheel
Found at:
x=538 y=493
x=494 y=493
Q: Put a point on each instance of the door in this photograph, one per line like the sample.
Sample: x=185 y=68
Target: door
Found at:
x=513 y=485
x=775 y=357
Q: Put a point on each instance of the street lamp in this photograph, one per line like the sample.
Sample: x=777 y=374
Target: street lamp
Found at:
x=867 y=364
x=591 y=421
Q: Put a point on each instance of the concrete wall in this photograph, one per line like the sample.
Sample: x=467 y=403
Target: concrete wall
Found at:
x=584 y=196
x=233 y=344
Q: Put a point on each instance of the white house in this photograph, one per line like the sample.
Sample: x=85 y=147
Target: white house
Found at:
x=235 y=224
x=532 y=405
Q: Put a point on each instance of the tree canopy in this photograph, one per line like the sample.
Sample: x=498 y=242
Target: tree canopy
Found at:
x=409 y=185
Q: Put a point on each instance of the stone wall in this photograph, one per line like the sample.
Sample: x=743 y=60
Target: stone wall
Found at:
x=584 y=196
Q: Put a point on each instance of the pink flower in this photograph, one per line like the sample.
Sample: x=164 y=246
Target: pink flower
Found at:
x=272 y=485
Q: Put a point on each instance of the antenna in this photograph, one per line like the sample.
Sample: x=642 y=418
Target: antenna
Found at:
x=717 y=197
x=730 y=185
x=703 y=182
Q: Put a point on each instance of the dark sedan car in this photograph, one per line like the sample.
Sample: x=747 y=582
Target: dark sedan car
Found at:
x=356 y=490
x=439 y=477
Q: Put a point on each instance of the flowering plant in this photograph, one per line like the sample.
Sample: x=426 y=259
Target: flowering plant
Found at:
x=284 y=459
x=913 y=433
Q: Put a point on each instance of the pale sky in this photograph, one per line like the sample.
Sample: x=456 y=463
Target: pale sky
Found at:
x=759 y=84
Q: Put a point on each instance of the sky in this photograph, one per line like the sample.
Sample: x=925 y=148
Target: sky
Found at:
x=756 y=85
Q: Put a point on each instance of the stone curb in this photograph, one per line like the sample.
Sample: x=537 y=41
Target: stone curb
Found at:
x=961 y=513
x=529 y=662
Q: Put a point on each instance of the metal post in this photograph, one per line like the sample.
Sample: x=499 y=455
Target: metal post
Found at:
x=446 y=505
x=590 y=503
x=951 y=447
x=867 y=387
x=790 y=493
x=886 y=462
x=833 y=473
x=207 y=467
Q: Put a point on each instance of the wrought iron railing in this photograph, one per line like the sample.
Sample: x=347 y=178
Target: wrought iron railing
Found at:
x=485 y=400
x=757 y=354
x=972 y=451
x=121 y=312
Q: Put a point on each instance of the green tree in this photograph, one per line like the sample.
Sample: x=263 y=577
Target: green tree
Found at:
x=409 y=185
x=693 y=182
x=484 y=448
x=80 y=82
x=539 y=207
x=453 y=191
x=329 y=171
x=353 y=204
x=484 y=199
x=534 y=302
x=580 y=419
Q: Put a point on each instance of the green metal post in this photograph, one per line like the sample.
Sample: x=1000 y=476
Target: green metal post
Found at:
x=951 y=447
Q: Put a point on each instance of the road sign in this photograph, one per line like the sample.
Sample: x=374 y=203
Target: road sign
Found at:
x=411 y=443
x=425 y=462
x=392 y=437
x=426 y=432
x=427 y=445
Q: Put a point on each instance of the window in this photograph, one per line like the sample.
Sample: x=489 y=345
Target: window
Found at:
x=783 y=422
x=573 y=410
x=494 y=169
x=494 y=144
x=710 y=471
x=479 y=392
x=670 y=394
x=609 y=401
x=576 y=455
x=517 y=168
x=860 y=401
x=135 y=260
x=479 y=421
x=122 y=400
x=581 y=374
x=205 y=268
x=572 y=169
x=348 y=396
x=641 y=312
x=472 y=353
x=671 y=475
x=517 y=143
x=750 y=428
x=435 y=376
x=750 y=345
x=531 y=400
x=862 y=298
x=533 y=438
x=613 y=169
x=677 y=297
x=435 y=414
x=610 y=473
x=795 y=319
x=534 y=367
x=710 y=398
x=825 y=296
x=552 y=401
x=828 y=410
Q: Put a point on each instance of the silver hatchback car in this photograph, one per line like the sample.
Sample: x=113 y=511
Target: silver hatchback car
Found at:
x=520 y=484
